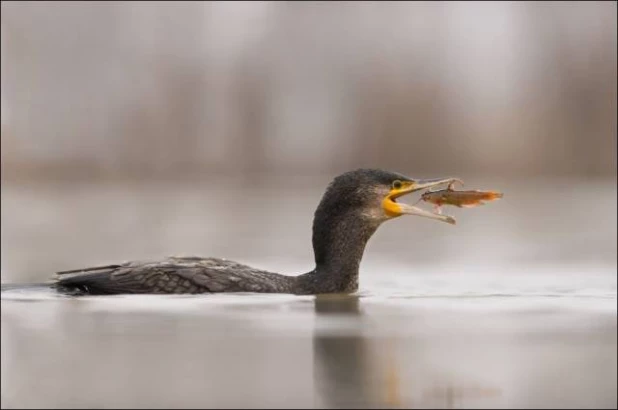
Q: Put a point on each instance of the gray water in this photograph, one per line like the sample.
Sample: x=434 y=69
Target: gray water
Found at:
x=515 y=306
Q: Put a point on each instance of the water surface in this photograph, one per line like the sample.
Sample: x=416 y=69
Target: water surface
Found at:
x=513 y=307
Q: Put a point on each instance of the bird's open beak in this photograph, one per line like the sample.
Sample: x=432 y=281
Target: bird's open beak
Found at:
x=394 y=208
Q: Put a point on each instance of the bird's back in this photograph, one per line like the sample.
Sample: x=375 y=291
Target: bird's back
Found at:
x=174 y=275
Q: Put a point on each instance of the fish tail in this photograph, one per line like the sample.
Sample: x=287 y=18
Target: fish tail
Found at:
x=491 y=195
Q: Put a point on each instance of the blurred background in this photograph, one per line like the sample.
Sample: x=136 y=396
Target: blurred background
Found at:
x=160 y=90
x=138 y=130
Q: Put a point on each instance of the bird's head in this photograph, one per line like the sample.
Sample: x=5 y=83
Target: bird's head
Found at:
x=373 y=195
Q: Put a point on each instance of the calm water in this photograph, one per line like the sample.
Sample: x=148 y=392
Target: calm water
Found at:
x=513 y=307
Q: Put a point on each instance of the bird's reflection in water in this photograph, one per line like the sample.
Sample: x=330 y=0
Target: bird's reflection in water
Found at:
x=341 y=354
x=352 y=370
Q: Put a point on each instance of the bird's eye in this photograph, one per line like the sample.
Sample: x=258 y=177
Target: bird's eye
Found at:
x=397 y=184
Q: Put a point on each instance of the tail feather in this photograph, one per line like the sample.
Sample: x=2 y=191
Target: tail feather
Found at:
x=11 y=288
x=94 y=268
x=73 y=282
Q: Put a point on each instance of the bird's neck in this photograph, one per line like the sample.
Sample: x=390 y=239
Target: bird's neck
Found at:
x=339 y=240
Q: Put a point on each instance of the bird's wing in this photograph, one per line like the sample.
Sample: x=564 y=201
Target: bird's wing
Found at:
x=173 y=275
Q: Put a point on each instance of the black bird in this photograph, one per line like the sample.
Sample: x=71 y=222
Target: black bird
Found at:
x=353 y=206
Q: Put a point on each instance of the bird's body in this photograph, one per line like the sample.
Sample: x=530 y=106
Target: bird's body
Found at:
x=179 y=275
x=352 y=208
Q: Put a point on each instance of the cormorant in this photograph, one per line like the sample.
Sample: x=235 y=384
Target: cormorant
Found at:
x=354 y=205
